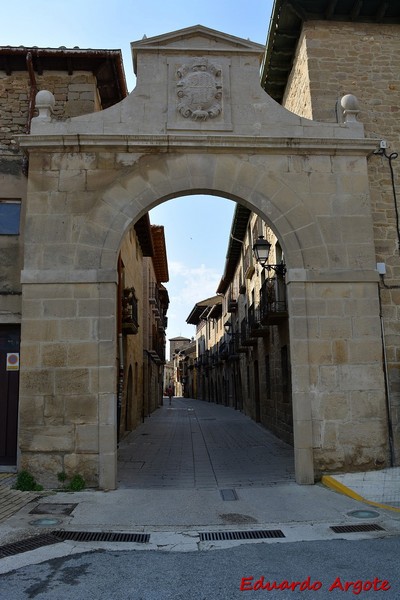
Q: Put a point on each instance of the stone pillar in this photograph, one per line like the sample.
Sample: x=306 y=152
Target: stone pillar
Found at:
x=337 y=373
x=68 y=378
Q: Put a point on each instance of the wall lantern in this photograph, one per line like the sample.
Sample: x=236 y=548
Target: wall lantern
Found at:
x=261 y=250
x=228 y=327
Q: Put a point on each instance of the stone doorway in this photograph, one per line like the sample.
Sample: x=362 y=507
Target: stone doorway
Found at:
x=198 y=122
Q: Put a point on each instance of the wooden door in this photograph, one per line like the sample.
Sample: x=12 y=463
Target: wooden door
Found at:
x=9 y=390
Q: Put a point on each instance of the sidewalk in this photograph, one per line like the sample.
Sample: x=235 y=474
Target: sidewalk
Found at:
x=199 y=467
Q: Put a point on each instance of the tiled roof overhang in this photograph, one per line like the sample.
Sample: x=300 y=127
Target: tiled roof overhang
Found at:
x=238 y=231
x=287 y=22
x=209 y=303
x=143 y=231
x=160 y=253
x=106 y=66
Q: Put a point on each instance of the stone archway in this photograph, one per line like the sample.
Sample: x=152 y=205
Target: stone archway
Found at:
x=91 y=176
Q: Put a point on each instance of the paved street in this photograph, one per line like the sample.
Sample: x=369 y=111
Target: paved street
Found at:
x=216 y=575
x=197 y=444
x=173 y=473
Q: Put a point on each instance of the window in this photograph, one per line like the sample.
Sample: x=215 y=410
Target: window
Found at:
x=9 y=217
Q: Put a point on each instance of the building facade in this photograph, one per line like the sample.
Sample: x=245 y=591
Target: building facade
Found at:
x=242 y=334
x=142 y=269
x=81 y=82
x=92 y=176
x=316 y=54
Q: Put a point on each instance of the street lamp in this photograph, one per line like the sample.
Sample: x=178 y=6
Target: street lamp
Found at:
x=228 y=327
x=261 y=249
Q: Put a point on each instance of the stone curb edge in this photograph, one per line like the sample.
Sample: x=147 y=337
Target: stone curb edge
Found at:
x=332 y=483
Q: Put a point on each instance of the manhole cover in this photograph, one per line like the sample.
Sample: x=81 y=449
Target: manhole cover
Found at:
x=51 y=508
x=363 y=514
x=228 y=494
x=45 y=522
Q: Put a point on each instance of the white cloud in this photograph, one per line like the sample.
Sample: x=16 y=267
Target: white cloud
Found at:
x=189 y=285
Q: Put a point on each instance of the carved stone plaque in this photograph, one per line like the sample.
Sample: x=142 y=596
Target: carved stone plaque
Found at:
x=199 y=90
x=199 y=94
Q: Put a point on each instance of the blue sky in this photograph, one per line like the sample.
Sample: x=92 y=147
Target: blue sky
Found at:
x=196 y=244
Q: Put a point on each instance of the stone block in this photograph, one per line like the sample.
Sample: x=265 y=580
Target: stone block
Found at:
x=87 y=439
x=108 y=471
x=55 y=439
x=104 y=380
x=82 y=353
x=75 y=329
x=54 y=410
x=82 y=409
x=43 y=466
x=362 y=352
x=320 y=352
x=54 y=355
x=329 y=378
x=107 y=409
x=72 y=180
x=304 y=466
x=371 y=434
x=30 y=356
x=86 y=465
x=71 y=381
x=367 y=405
x=361 y=377
x=98 y=179
x=36 y=382
x=107 y=435
x=39 y=331
x=31 y=410
x=303 y=433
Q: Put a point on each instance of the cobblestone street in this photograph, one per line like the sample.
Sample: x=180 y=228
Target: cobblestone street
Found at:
x=197 y=444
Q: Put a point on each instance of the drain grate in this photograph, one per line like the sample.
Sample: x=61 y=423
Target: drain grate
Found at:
x=55 y=537
x=240 y=535
x=228 y=494
x=101 y=536
x=356 y=528
x=29 y=544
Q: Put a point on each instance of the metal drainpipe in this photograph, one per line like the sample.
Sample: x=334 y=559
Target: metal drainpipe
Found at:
x=31 y=106
x=32 y=93
x=386 y=377
x=120 y=348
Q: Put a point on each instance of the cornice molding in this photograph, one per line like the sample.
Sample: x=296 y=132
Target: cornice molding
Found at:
x=215 y=143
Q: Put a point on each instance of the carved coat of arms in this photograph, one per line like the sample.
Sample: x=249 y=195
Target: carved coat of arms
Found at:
x=199 y=90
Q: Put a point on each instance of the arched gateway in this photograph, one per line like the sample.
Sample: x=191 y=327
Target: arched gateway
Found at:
x=198 y=121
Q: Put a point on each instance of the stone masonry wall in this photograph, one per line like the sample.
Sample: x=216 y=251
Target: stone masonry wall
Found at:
x=75 y=95
x=334 y=59
x=132 y=258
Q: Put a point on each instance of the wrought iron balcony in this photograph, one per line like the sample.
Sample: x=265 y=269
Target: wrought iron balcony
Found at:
x=130 y=323
x=273 y=304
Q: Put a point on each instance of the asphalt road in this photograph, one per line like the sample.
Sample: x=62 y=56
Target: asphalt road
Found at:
x=310 y=570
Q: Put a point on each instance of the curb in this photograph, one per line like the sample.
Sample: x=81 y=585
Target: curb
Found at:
x=335 y=485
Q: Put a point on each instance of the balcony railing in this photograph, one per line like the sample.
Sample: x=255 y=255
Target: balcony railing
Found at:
x=130 y=323
x=246 y=336
x=273 y=303
x=157 y=350
x=248 y=263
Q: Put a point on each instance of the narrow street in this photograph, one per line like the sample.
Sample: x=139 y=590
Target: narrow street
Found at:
x=202 y=445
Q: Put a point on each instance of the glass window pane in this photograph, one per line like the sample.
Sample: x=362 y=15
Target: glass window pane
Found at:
x=9 y=217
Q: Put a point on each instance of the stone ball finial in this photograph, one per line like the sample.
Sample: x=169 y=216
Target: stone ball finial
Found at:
x=45 y=102
x=351 y=107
